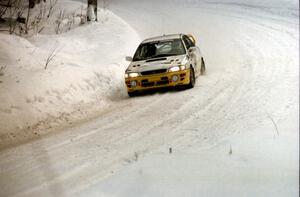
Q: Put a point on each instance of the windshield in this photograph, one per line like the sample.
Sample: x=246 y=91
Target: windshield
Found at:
x=159 y=49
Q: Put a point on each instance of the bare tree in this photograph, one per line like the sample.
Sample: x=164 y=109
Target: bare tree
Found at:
x=71 y=20
x=92 y=4
x=27 y=18
x=37 y=22
x=4 y=6
x=26 y=15
x=66 y=21
x=32 y=3
x=30 y=16
x=82 y=17
x=50 y=57
x=52 y=4
x=3 y=9
x=2 y=68
x=59 y=20
x=15 y=11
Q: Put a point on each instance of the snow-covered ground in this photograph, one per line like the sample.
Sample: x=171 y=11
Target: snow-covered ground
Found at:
x=83 y=78
x=235 y=134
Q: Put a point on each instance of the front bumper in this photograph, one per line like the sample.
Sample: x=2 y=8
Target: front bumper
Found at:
x=158 y=80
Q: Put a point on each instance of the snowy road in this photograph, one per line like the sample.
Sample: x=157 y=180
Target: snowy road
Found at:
x=252 y=65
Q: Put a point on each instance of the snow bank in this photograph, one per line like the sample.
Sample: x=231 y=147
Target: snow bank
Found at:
x=86 y=70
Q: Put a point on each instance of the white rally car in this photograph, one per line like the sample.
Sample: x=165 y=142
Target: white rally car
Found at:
x=168 y=60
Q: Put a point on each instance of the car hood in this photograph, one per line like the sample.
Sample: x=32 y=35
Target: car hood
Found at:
x=155 y=64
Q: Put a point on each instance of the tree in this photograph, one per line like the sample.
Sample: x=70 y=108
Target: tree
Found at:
x=92 y=10
x=33 y=2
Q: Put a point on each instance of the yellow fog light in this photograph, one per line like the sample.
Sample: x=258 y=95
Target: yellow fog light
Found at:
x=175 y=78
x=133 y=83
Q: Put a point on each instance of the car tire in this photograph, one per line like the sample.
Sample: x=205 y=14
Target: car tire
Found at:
x=132 y=94
x=192 y=79
x=202 y=70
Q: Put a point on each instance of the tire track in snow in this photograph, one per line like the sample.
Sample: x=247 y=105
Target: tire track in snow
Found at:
x=258 y=69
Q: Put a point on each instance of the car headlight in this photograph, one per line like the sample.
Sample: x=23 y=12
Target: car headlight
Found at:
x=175 y=78
x=126 y=75
x=174 y=69
x=133 y=74
x=182 y=67
x=184 y=61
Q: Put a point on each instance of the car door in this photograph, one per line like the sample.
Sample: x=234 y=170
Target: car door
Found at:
x=194 y=53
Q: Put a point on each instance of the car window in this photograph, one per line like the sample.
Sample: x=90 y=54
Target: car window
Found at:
x=188 y=42
x=159 y=49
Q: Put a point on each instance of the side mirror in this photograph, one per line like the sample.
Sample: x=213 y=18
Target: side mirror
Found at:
x=192 y=38
x=128 y=58
x=191 y=49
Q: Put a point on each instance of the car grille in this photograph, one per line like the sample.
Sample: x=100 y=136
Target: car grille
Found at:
x=162 y=81
x=152 y=72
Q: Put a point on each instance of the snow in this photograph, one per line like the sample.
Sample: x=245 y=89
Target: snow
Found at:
x=244 y=165
x=235 y=134
x=33 y=98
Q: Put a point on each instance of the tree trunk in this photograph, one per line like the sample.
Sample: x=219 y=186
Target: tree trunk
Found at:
x=28 y=15
x=93 y=4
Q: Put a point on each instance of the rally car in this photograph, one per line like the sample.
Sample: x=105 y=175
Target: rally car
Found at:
x=164 y=61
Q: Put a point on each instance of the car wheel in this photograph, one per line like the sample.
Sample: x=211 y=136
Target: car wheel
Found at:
x=202 y=71
x=132 y=94
x=192 y=79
